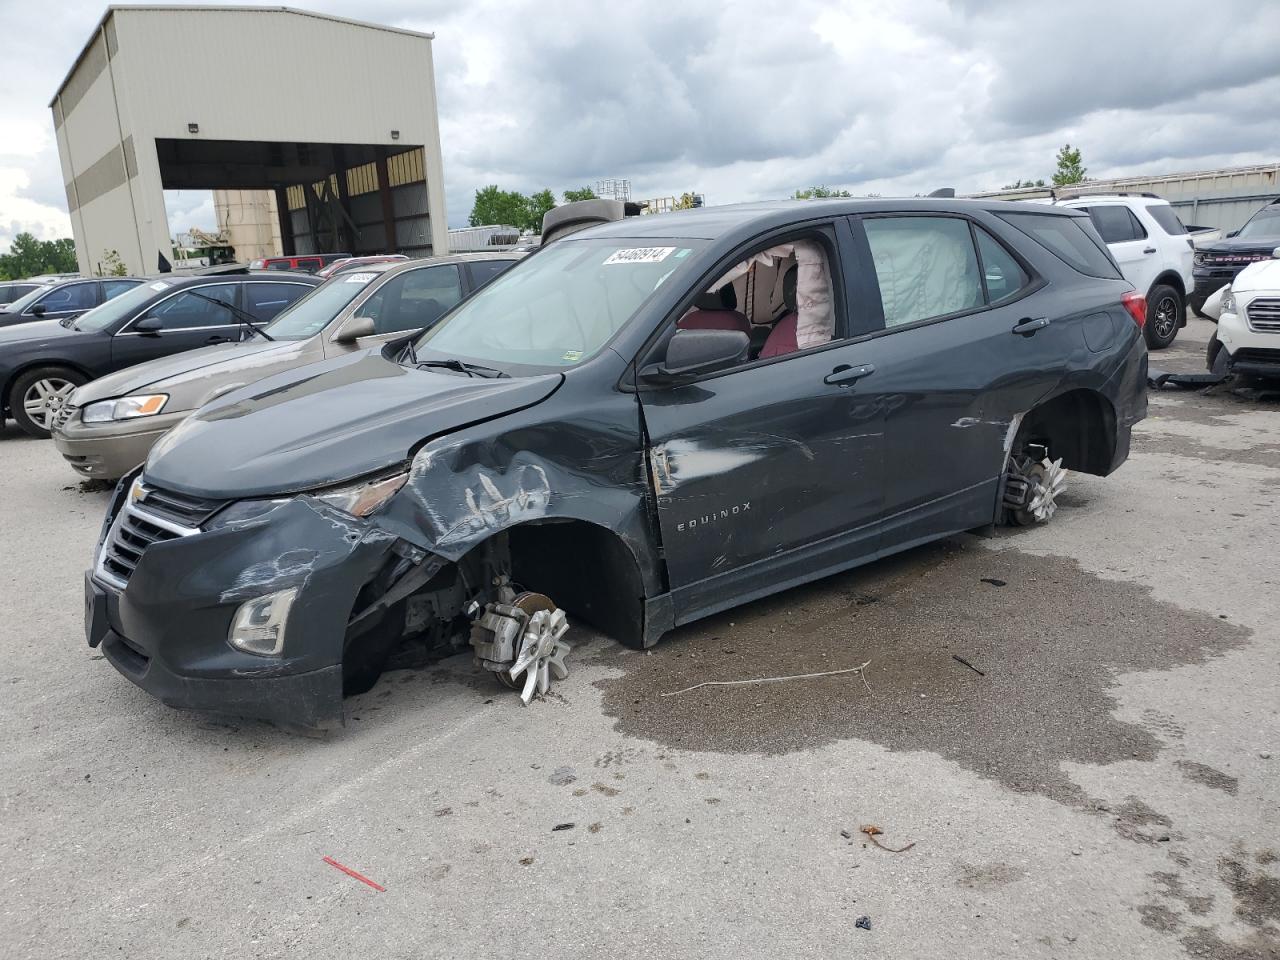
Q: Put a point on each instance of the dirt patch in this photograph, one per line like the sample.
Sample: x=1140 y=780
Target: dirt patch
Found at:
x=1136 y=821
x=1159 y=917
x=1257 y=894
x=1207 y=775
x=1171 y=887
x=1205 y=942
x=1050 y=644
x=988 y=876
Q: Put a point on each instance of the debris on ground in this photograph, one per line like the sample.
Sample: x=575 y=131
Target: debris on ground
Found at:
x=1188 y=381
x=863 y=923
x=959 y=659
x=995 y=582
x=872 y=831
x=355 y=874
x=563 y=826
x=562 y=777
x=797 y=676
x=846 y=834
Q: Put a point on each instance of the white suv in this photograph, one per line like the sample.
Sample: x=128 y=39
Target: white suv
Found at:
x=1153 y=250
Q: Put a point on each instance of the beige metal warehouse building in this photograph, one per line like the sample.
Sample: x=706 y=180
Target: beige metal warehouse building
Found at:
x=337 y=117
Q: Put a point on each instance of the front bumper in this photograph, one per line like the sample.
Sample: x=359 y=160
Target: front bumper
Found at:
x=166 y=630
x=1252 y=352
x=1207 y=283
x=108 y=451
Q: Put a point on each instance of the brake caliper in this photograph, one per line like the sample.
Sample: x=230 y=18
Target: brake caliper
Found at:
x=522 y=635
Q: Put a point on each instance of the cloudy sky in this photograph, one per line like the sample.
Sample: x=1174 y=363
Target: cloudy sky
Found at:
x=752 y=100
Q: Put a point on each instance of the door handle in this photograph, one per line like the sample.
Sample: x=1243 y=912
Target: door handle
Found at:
x=1149 y=250
x=845 y=374
x=1028 y=327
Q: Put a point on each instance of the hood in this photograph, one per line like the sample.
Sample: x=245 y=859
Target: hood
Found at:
x=195 y=374
x=44 y=330
x=1263 y=275
x=325 y=423
x=1225 y=251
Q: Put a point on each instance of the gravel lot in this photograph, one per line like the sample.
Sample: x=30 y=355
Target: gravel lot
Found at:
x=1108 y=786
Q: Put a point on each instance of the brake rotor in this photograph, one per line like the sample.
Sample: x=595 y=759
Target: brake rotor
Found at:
x=1045 y=481
x=542 y=651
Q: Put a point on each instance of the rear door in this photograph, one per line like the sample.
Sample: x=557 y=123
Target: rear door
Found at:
x=962 y=347
x=768 y=473
x=1127 y=239
x=191 y=317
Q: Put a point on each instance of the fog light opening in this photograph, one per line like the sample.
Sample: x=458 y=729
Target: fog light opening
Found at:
x=258 y=627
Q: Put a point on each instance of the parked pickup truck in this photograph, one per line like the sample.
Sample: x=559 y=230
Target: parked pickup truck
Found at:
x=650 y=421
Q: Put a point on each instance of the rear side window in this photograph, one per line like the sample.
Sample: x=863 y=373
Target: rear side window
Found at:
x=1168 y=220
x=113 y=288
x=1069 y=240
x=926 y=267
x=1002 y=274
x=280 y=265
x=1116 y=224
x=265 y=300
x=482 y=271
x=198 y=307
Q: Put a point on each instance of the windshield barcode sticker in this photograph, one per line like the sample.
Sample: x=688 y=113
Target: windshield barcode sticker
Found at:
x=640 y=255
x=360 y=277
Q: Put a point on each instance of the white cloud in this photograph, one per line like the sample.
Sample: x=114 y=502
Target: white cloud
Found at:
x=755 y=99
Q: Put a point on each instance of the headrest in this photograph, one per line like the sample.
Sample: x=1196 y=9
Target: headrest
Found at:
x=723 y=299
x=789 y=288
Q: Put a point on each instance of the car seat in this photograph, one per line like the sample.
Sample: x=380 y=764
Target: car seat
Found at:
x=716 y=310
x=782 y=339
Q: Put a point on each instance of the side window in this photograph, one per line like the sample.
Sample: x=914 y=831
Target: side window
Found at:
x=200 y=307
x=265 y=300
x=415 y=299
x=926 y=267
x=1002 y=274
x=280 y=265
x=1116 y=224
x=74 y=296
x=113 y=288
x=1169 y=222
x=1067 y=239
x=482 y=271
x=310 y=264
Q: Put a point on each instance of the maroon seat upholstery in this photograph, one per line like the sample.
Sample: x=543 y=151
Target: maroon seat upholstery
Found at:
x=782 y=338
x=716 y=310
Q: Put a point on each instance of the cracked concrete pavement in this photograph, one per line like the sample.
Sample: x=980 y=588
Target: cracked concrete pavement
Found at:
x=1101 y=780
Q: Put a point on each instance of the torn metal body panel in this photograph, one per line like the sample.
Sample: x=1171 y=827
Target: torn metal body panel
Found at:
x=535 y=453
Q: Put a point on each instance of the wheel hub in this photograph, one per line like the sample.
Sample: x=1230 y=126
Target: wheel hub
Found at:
x=45 y=398
x=523 y=639
x=1032 y=489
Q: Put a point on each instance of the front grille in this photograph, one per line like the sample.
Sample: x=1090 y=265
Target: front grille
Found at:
x=132 y=531
x=178 y=507
x=1263 y=315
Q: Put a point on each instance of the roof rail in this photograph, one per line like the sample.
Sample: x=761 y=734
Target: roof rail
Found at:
x=1114 y=193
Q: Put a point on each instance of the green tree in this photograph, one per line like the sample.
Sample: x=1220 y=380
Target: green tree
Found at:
x=495 y=206
x=1071 y=168
x=586 y=193
x=28 y=257
x=538 y=204
x=819 y=193
x=111 y=265
x=1022 y=184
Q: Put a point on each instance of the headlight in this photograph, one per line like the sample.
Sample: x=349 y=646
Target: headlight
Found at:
x=126 y=408
x=1199 y=259
x=1228 y=302
x=363 y=497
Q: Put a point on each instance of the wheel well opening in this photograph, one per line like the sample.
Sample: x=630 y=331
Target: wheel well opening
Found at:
x=587 y=570
x=1172 y=280
x=1079 y=426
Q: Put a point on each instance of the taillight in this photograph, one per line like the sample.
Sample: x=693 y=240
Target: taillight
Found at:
x=1136 y=304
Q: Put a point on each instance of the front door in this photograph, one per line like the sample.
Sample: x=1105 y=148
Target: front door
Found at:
x=766 y=474
x=192 y=317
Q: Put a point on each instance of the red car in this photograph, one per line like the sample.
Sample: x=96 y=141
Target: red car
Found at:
x=306 y=263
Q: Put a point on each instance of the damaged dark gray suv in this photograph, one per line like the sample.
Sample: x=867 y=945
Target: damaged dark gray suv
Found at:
x=642 y=424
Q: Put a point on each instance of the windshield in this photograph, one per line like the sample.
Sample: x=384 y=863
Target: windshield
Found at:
x=121 y=307
x=17 y=306
x=1262 y=224
x=560 y=307
x=309 y=315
